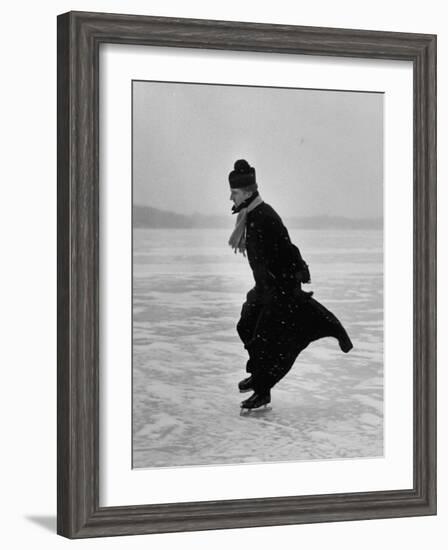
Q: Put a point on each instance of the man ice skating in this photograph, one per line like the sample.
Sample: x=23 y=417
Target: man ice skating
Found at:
x=278 y=319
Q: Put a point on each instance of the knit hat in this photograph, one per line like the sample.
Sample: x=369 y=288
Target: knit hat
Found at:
x=242 y=175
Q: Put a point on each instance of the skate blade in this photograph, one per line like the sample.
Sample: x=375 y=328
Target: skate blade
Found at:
x=246 y=391
x=259 y=410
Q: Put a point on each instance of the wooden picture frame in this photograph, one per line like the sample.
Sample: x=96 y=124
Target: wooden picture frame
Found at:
x=80 y=35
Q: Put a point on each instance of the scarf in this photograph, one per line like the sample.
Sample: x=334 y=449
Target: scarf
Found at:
x=237 y=239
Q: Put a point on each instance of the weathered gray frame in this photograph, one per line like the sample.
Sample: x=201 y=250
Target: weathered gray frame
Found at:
x=79 y=37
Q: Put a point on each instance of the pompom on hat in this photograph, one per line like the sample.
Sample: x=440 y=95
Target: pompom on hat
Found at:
x=242 y=175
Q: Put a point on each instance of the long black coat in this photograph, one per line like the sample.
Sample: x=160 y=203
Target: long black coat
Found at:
x=278 y=320
x=272 y=256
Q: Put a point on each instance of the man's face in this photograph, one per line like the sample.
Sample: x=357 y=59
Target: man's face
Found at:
x=238 y=196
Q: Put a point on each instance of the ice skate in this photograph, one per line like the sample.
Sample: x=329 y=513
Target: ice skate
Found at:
x=256 y=401
x=246 y=385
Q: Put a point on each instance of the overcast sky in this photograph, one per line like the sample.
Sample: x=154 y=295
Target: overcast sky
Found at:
x=315 y=152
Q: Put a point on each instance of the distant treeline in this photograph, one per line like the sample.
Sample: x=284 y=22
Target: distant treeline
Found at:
x=146 y=216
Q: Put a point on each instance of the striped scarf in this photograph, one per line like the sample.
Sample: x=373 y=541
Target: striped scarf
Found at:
x=237 y=239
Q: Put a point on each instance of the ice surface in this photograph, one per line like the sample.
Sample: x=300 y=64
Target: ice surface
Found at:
x=188 y=288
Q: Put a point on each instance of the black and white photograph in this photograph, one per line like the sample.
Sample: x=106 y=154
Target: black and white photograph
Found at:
x=222 y=243
x=257 y=276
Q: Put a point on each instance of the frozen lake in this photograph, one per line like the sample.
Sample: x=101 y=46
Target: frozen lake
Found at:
x=188 y=288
